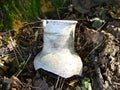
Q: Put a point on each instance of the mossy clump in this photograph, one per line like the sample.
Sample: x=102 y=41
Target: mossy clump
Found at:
x=16 y=12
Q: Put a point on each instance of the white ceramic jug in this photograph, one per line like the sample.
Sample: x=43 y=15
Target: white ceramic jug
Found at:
x=58 y=55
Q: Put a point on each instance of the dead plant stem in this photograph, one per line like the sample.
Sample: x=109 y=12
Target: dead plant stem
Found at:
x=24 y=65
x=57 y=81
x=15 y=47
x=62 y=84
x=96 y=47
x=14 y=50
x=16 y=57
x=58 y=13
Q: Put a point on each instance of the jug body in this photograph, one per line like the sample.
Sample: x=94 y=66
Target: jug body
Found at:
x=58 y=55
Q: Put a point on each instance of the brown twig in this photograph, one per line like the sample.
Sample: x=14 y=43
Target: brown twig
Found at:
x=15 y=47
x=57 y=82
x=14 y=50
x=24 y=64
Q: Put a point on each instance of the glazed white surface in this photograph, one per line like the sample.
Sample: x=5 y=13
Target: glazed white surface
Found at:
x=57 y=55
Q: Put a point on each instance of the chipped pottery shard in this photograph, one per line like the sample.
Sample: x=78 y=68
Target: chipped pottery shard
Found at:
x=58 y=55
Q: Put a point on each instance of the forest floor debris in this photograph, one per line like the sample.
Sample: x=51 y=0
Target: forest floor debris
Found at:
x=97 y=42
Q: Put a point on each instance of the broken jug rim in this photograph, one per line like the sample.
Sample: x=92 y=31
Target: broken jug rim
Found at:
x=64 y=21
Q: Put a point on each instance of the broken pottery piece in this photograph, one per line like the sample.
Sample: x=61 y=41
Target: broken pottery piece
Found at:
x=58 y=55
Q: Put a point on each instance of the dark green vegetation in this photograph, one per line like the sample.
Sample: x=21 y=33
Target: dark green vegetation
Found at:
x=20 y=10
x=14 y=12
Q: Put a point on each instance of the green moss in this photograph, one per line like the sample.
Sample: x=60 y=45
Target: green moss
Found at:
x=30 y=9
x=7 y=21
x=20 y=10
x=6 y=39
x=26 y=10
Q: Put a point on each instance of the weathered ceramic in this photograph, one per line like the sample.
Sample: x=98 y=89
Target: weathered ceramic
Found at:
x=58 y=55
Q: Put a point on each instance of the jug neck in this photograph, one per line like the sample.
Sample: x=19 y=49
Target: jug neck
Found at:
x=59 y=35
